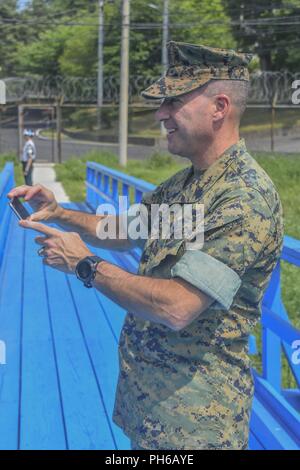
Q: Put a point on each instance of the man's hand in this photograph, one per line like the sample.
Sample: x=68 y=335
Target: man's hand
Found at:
x=41 y=200
x=62 y=250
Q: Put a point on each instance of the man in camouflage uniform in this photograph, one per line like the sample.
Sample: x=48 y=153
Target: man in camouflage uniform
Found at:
x=192 y=388
x=185 y=379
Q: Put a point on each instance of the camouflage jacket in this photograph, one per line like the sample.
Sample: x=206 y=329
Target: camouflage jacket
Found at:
x=193 y=388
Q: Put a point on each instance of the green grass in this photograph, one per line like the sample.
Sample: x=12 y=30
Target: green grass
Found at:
x=72 y=173
x=11 y=157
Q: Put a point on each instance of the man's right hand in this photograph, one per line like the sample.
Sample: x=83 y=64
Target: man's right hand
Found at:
x=42 y=201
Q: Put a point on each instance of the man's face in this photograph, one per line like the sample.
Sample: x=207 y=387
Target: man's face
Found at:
x=188 y=120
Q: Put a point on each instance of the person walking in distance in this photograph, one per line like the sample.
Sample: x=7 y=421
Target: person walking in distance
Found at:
x=28 y=156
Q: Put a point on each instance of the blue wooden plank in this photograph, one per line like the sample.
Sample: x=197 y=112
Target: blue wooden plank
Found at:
x=282 y=328
x=4 y=228
x=278 y=325
x=115 y=321
x=42 y=420
x=130 y=180
x=6 y=183
x=291 y=250
x=293 y=397
x=101 y=329
x=271 y=357
x=280 y=408
x=11 y=283
x=268 y=430
x=272 y=300
x=86 y=421
x=272 y=297
x=289 y=351
x=102 y=347
x=254 y=443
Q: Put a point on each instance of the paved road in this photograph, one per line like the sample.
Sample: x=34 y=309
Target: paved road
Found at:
x=70 y=148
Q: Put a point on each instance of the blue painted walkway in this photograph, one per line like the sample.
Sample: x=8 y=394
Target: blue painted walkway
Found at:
x=58 y=385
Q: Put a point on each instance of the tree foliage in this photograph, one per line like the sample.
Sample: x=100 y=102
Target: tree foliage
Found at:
x=268 y=28
x=9 y=36
x=60 y=37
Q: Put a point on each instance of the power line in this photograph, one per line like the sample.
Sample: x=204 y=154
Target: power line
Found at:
x=257 y=22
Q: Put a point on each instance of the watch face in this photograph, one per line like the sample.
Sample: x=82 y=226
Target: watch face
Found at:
x=84 y=270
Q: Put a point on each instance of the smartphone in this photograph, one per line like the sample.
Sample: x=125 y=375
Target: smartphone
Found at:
x=18 y=208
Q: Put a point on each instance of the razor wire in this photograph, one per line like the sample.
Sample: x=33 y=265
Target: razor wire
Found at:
x=266 y=88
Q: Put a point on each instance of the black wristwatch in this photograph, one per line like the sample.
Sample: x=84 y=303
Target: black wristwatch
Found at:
x=86 y=269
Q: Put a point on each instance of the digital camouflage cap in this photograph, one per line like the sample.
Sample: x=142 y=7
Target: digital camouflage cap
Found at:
x=192 y=66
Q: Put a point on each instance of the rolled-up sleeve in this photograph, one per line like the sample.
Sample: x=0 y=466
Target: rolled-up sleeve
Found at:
x=209 y=275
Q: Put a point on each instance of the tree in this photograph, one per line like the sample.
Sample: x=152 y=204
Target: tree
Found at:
x=9 y=35
x=67 y=42
x=271 y=31
x=42 y=56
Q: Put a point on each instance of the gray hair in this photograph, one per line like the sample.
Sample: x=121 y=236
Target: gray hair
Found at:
x=236 y=90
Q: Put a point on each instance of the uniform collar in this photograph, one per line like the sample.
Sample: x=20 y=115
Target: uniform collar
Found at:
x=202 y=181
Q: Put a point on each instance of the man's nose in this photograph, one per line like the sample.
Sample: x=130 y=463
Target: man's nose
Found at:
x=163 y=112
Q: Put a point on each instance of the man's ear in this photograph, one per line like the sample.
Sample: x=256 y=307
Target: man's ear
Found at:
x=222 y=103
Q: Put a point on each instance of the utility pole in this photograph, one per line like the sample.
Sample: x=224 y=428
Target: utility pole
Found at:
x=124 y=84
x=2 y=101
x=20 y=128
x=100 y=62
x=58 y=129
x=164 y=54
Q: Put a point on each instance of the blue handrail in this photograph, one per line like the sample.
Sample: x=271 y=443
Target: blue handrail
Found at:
x=106 y=185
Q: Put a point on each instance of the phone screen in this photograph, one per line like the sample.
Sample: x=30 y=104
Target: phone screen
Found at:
x=18 y=208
